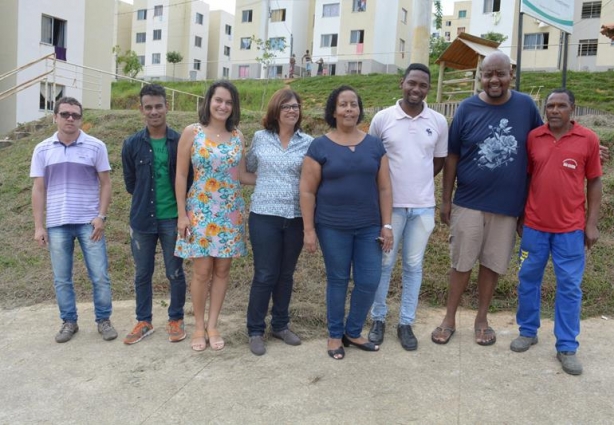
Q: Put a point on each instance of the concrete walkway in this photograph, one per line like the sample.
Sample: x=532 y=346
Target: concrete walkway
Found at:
x=90 y=381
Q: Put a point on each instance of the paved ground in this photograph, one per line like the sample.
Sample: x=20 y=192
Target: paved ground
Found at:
x=89 y=381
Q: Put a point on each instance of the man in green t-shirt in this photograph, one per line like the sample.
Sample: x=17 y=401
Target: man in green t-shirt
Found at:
x=149 y=159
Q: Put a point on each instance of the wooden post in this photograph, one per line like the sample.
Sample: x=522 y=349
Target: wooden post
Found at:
x=476 y=77
x=442 y=67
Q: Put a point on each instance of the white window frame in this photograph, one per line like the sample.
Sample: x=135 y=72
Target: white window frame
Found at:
x=329 y=40
x=330 y=10
x=156 y=58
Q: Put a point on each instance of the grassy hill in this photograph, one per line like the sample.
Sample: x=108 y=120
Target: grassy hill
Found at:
x=25 y=275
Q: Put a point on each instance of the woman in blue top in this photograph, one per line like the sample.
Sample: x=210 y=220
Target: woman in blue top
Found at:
x=275 y=224
x=346 y=199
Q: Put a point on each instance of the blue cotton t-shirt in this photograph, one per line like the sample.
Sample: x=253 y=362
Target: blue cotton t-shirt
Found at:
x=491 y=142
x=348 y=195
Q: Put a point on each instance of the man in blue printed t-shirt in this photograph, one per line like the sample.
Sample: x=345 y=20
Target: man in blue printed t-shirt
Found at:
x=487 y=159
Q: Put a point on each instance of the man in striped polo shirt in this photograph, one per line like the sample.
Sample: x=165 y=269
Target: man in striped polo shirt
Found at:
x=72 y=186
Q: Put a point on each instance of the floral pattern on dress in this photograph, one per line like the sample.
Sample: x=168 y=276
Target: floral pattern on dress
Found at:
x=214 y=203
x=498 y=149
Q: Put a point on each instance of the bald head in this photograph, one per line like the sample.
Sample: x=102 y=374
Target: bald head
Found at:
x=495 y=76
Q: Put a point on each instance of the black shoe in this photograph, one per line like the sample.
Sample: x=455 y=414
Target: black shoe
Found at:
x=367 y=346
x=376 y=334
x=337 y=354
x=407 y=337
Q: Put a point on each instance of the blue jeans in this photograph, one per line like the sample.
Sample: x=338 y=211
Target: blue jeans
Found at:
x=61 y=250
x=276 y=243
x=355 y=249
x=144 y=254
x=568 y=259
x=413 y=226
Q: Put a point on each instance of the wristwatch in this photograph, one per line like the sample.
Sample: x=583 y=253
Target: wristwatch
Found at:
x=102 y=217
x=387 y=226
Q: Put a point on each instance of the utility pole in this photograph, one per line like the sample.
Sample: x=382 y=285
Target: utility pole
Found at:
x=420 y=33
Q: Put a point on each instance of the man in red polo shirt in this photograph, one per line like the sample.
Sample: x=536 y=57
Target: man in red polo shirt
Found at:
x=560 y=221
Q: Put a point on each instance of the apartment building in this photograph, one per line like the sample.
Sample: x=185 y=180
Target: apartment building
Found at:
x=77 y=32
x=220 y=44
x=161 y=26
x=458 y=22
x=542 y=44
x=287 y=25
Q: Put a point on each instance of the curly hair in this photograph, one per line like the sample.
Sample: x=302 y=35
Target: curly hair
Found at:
x=331 y=105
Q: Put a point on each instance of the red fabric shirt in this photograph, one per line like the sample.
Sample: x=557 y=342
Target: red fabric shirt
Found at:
x=556 y=202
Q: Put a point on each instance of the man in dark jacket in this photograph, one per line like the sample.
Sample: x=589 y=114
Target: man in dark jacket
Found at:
x=149 y=159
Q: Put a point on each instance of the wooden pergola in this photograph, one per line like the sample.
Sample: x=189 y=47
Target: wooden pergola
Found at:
x=465 y=56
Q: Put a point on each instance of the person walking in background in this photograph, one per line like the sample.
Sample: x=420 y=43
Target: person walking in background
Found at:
x=292 y=65
x=149 y=159
x=210 y=224
x=320 y=63
x=72 y=185
x=487 y=159
x=416 y=142
x=559 y=221
x=275 y=223
x=306 y=59
x=346 y=198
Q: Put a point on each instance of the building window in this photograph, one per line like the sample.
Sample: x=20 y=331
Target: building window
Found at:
x=228 y=30
x=357 y=36
x=141 y=14
x=141 y=60
x=330 y=10
x=401 y=45
x=243 y=71
x=196 y=64
x=277 y=43
x=448 y=23
x=328 y=40
x=48 y=97
x=155 y=58
x=404 y=16
x=587 y=47
x=198 y=41
x=591 y=9
x=246 y=43
x=199 y=18
x=359 y=5
x=226 y=51
x=157 y=35
x=158 y=10
x=354 y=67
x=246 y=16
x=275 y=71
x=537 y=41
x=278 y=15
x=446 y=36
x=141 y=37
x=53 y=31
x=462 y=14
x=492 y=6
x=225 y=72
x=460 y=30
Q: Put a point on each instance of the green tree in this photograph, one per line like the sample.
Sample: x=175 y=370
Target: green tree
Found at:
x=495 y=36
x=174 y=58
x=131 y=63
x=437 y=45
x=269 y=51
x=438 y=14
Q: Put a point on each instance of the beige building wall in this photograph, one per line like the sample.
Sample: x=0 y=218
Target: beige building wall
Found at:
x=249 y=21
x=8 y=62
x=123 y=25
x=219 y=64
x=452 y=25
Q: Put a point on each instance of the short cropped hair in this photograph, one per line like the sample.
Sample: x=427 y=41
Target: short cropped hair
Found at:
x=69 y=101
x=152 y=90
x=417 y=67
x=569 y=93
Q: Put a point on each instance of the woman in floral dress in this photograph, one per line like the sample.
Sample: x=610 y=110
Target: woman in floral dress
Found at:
x=211 y=225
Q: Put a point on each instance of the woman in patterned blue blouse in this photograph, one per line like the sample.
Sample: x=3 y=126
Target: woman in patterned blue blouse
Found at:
x=275 y=224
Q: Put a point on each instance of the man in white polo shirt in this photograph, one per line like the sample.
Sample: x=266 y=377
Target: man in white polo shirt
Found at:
x=416 y=141
x=73 y=186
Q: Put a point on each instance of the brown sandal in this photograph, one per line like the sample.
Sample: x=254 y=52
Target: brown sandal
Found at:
x=215 y=340
x=442 y=334
x=485 y=336
x=199 y=341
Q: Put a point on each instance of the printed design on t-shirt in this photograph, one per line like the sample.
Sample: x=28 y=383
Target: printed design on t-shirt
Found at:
x=498 y=149
x=429 y=131
x=570 y=163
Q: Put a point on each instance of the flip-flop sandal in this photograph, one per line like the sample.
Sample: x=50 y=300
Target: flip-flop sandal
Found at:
x=199 y=341
x=485 y=336
x=215 y=340
x=442 y=335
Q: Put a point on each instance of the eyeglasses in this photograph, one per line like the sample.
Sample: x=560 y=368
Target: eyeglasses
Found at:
x=293 y=107
x=75 y=116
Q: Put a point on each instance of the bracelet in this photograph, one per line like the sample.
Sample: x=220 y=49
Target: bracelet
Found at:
x=387 y=226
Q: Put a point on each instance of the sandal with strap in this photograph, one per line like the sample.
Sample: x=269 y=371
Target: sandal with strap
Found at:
x=215 y=340
x=199 y=341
